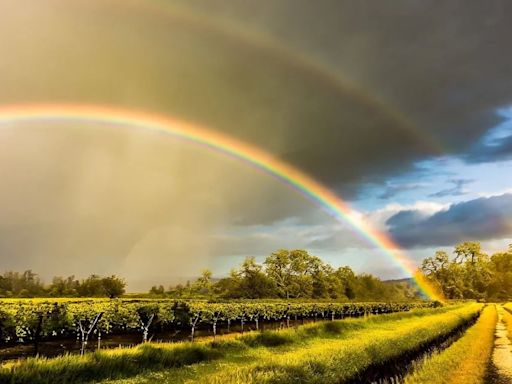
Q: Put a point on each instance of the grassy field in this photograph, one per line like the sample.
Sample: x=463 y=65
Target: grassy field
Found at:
x=327 y=352
x=466 y=360
x=341 y=355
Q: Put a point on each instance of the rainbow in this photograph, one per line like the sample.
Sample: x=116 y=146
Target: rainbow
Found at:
x=291 y=58
x=287 y=174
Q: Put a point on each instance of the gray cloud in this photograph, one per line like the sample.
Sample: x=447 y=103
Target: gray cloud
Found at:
x=479 y=219
x=392 y=190
x=359 y=94
x=499 y=150
x=356 y=115
x=445 y=67
x=458 y=188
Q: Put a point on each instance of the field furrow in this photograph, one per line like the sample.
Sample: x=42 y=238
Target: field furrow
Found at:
x=466 y=360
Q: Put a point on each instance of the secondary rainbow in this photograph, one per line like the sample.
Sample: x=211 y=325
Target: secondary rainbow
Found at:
x=264 y=161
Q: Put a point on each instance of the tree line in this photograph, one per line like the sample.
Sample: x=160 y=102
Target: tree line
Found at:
x=28 y=284
x=290 y=274
x=470 y=273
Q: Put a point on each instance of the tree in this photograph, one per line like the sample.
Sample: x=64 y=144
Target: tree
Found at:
x=204 y=283
x=229 y=287
x=160 y=290
x=500 y=285
x=253 y=283
x=434 y=265
x=114 y=286
x=64 y=287
x=277 y=268
x=471 y=274
x=469 y=251
x=292 y=271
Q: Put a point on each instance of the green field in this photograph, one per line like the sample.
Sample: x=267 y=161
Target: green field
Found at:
x=330 y=351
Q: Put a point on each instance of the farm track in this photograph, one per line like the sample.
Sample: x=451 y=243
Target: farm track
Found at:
x=394 y=371
x=502 y=354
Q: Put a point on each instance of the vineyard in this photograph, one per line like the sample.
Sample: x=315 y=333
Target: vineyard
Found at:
x=356 y=349
x=23 y=321
x=411 y=343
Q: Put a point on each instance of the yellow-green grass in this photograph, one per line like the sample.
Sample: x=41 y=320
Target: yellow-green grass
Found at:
x=291 y=348
x=344 y=355
x=466 y=360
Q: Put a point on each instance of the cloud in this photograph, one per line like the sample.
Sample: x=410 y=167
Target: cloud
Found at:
x=457 y=190
x=392 y=190
x=444 y=82
x=353 y=115
x=496 y=144
x=348 y=101
x=480 y=219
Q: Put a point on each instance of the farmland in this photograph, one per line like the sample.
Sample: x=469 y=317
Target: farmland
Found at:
x=210 y=334
x=35 y=321
x=358 y=342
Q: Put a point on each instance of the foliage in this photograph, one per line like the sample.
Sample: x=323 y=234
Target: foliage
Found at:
x=28 y=284
x=471 y=273
x=288 y=274
x=22 y=319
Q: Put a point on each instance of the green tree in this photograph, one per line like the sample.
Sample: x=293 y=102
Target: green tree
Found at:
x=203 y=284
x=292 y=272
x=113 y=286
x=253 y=283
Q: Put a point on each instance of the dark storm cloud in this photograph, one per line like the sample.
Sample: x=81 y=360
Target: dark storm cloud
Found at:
x=446 y=66
x=500 y=149
x=439 y=71
x=160 y=62
x=458 y=188
x=478 y=219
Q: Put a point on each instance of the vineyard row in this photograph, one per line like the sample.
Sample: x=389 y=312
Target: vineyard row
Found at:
x=35 y=320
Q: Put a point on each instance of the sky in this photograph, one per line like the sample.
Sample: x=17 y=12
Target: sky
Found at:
x=403 y=109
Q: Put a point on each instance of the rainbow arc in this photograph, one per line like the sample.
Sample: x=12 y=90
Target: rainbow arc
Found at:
x=296 y=179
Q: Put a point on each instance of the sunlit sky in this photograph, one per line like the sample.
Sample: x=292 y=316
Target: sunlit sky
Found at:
x=403 y=108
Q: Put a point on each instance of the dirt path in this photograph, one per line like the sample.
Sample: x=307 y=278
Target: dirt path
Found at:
x=502 y=354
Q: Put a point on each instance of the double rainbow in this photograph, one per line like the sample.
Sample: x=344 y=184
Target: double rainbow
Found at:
x=291 y=176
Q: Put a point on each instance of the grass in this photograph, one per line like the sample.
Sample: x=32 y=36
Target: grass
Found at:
x=466 y=360
x=339 y=355
x=98 y=365
x=327 y=349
